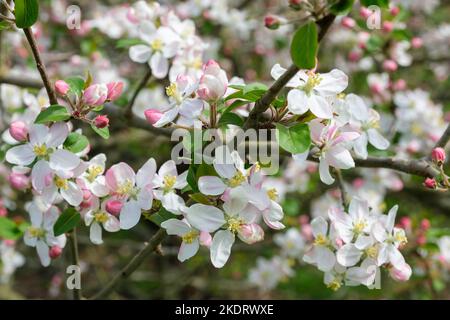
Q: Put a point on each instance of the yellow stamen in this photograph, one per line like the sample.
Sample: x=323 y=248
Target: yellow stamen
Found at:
x=314 y=80
x=273 y=194
x=101 y=216
x=372 y=252
x=237 y=180
x=36 y=232
x=321 y=240
x=169 y=182
x=190 y=236
x=400 y=237
x=94 y=172
x=156 y=45
x=334 y=285
x=40 y=150
x=359 y=227
x=234 y=224
x=61 y=183
x=126 y=188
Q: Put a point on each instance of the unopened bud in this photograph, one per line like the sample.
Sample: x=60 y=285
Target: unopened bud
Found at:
x=153 y=115
x=271 y=22
x=438 y=155
x=114 y=207
x=101 y=121
x=430 y=183
x=55 y=252
x=19 y=131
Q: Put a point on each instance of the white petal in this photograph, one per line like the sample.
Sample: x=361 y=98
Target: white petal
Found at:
x=360 y=146
x=297 y=101
x=140 y=53
x=112 y=224
x=325 y=259
x=188 y=250
x=63 y=160
x=22 y=155
x=57 y=134
x=324 y=171
x=348 y=255
x=221 y=247
x=377 y=140
x=176 y=227
x=145 y=175
x=210 y=185
x=130 y=215
x=40 y=174
x=73 y=195
x=357 y=107
x=167 y=118
x=159 y=65
x=320 y=107
x=42 y=250
x=340 y=158
x=38 y=134
x=191 y=108
x=205 y=218
x=319 y=226
x=172 y=202
x=300 y=158
x=391 y=218
x=332 y=83
x=96 y=233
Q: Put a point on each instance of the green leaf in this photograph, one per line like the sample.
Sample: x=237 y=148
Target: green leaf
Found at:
x=26 y=12
x=126 y=43
x=192 y=178
x=254 y=87
x=205 y=170
x=201 y=198
x=161 y=216
x=295 y=139
x=67 y=221
x=230 y=118
x=235 y=104
x=342 y=6
x=76 y=142
x=9 y=229
x=104 y=132
x=379 y=3
x=53 y=113
x=237 y=86
x=76 y=85
x=304 y=46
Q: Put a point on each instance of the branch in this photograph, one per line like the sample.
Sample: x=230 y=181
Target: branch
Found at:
x=40 y=65
x=340 y=183
x=74 y=258
x=135 y=262
x=141 y=85
x=264 y=102
x=444 y=139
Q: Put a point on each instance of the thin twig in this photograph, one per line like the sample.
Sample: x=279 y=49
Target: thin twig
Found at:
x=74 y=258
x=141 y=85
x=135 y=262
x=40 y=66
x=340 y=182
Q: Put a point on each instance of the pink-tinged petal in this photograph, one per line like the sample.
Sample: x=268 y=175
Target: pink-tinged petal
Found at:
x=57 y=135
x=348 y=255
x=377 y=140
x=191 y=108
x=95 y=233
x=297 y=101
x=176 y=227
x=159 y=65
x=316 y=128
x=145 y=175
x=22 y=155
x=167 y=118
x=319 y=227
x=73 y=194
x=324 y=171
x=210 y=185
x=41 y=175
x=340 y=158
x=395 y=257
x=112 y=224
x=205 y=239
x=332 y=83
x=130 y=215
x=320 y=107
x=140 y=53
x=188 y=250
x=205 y=218
x=221 y=248
x=38 y=134
x=63 y=160
x=119 y=174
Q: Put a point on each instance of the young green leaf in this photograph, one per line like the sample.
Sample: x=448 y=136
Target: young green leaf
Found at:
x=76 y=84
x=26 y=12
x=76 y=142
x=304 y=46
x=103 y=132
x=161 y=216
x=295 y=139
x=9 y=229
x=379 y=3
x=230 y=118
x=53 y=113
x=68 y=220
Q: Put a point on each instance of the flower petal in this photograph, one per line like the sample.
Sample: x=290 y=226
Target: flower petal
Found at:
x=221 y=247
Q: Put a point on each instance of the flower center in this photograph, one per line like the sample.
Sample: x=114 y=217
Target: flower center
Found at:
x=321 y=240
x=359 y=226
x=61 y=183
x=372 y=252
x=156 y=45
x=400 y=237
x=126 y=188
x=234 y=224
x=190 y=236
x=237 y=180
x=94 y=172
x=40 y=150
x=101 y=216
x=334 y=285
x=172 y=91
x=314 y=80
x=272 y=194
x=36 y=232
x=194 y=64
x=169 y=183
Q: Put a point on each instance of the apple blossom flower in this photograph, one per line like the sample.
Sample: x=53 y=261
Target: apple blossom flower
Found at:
x=135 y=190
x=19 y=181
x=97 y=217
x=181 y=103
x=189 y=235
x=292 y=242
x=213 y=82
x=161 y=44
x=95 y=95
x=90 y=175
x=311 y=89
x=40 y=233
x=166 y=182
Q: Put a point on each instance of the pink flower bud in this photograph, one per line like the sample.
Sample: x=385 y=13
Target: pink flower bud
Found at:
x=416 y=42
x=153 y=115
x=9 y=242
x=18 y=130
x=271 y=22
x=19 y=181
x=205 y=239
x=348 y=22
x=101 y=121
x=95 y=95
x=251 y=233
x=114 y=207
x=365 y=12
x=399 y=85
x=425 y=224
x=114 y=90
x=388 y=26
x=402 y=273
x=430 y=183
x=421 y=239
x=394 y=11
x=213 y=82
x=354 y=56
x=87 y=194
x=406 y=222
x=295 y=4
x=438 y=155
x=358 y=183
x=61 y=87
x=55 y=252
x=3 y=212
x=390 y=65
